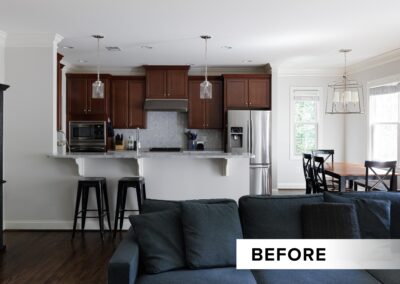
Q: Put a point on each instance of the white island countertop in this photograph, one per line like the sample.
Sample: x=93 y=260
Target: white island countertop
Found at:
x=126 y=154
x=219 y=156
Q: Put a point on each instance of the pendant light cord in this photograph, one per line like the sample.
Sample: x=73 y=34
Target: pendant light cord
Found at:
x=98 y=59
x=205 y=57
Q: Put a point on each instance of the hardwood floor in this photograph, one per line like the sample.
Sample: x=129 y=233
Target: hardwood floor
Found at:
x=51 y=257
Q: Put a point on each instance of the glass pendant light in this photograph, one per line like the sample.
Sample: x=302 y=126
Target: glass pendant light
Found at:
x=344 y=96
x=205 y=86
x=98 y=86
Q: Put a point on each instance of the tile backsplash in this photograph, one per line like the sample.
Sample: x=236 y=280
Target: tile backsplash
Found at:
x=167 y=129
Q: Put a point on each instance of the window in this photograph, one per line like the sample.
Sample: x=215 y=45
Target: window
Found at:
x=305 y=121
x=384 y=121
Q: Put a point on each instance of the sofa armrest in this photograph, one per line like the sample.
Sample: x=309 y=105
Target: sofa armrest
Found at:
x=124 y=263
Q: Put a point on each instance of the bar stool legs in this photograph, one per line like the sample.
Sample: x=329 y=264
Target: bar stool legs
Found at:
x=123 y=185
x=84 y=186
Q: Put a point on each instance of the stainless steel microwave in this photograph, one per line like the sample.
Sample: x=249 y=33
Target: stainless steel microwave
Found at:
x=87 y=136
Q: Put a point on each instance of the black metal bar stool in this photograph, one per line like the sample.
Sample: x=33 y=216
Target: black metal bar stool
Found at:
x=84 y=186
x=123 y=185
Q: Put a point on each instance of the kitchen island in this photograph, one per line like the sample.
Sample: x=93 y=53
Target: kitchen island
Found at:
x=139 y=157
x=168 y=175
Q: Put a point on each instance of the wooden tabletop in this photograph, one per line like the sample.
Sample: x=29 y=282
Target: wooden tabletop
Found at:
x=345 y=169
x=348 y=170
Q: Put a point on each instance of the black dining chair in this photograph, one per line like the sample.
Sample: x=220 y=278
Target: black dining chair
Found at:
x=384 y=180
x=329 y=156
x=320 y=177
x=308 y=173
x=319 y=174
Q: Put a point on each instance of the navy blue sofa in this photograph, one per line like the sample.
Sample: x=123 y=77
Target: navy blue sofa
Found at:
x=267 y=218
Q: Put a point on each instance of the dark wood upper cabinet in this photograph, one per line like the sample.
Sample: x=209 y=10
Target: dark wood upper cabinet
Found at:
x=205 y=114
x=214 y=107
x=119 y=103
x=166 y=82
x=136 y=114
x=247 y=91
x=156 y=84
x=177 y=84
x=236 y=92
x=196 y=112
x=259 y=93
x=128 y=94
x=80 y=105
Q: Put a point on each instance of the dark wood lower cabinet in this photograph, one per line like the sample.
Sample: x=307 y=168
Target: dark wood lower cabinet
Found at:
x=128 y=94
x=205 y=114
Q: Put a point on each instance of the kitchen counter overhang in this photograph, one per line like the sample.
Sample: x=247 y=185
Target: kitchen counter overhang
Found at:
x=221 y=157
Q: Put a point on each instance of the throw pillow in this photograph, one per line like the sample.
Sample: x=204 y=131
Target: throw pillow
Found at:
x=210 y=233
x=330 y=221
x=373 y=215
x=160 y=240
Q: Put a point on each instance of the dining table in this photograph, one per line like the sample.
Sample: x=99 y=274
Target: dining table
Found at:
x=344 y=172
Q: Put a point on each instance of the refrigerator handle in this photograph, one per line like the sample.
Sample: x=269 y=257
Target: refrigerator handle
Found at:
x=248 y=137
x=263 y=185
x=251 y=136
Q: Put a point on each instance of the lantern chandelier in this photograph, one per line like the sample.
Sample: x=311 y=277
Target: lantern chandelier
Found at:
x=344 y=96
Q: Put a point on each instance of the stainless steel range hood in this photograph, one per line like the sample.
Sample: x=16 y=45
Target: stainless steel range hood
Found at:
x=178 y=105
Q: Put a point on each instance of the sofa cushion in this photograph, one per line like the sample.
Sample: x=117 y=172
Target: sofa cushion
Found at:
x=394 y=198
x=313 y=277
x=210 y=232
x=373 y=215
x=156 y=205
x=160 y=240
x=262 y=216
x=210 y=276
x=330 y=221
x=386 y=276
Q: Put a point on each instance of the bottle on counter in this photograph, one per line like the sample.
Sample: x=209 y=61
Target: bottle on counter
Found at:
x=131 y=143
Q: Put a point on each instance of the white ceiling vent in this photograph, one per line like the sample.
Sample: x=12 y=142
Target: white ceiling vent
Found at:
x=113 y=48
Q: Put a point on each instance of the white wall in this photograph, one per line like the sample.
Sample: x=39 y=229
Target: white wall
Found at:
x=356 y=134
x=290 y=172
x=2 y=57
x=38 y=188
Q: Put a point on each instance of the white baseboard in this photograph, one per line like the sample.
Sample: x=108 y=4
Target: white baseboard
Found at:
x=91 y=224
x=291 y=186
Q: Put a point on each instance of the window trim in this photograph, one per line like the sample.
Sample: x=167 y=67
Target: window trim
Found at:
x=369 y=123
x=319 y=122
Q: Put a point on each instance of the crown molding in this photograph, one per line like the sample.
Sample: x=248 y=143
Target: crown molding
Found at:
x=107 y=70
x=304 y=72
x=33 y=39
x=193 y=71
x=379 y=60
x=3 y=36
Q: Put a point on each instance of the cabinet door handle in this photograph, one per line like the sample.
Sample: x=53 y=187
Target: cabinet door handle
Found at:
x=250 y=103
x=84 y=111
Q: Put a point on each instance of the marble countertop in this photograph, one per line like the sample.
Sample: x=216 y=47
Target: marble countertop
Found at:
x=146 y=154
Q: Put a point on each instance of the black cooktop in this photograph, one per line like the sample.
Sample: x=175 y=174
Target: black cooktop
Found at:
x=165 y=149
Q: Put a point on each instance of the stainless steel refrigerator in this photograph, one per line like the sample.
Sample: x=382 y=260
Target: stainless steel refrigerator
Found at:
x=249 y=131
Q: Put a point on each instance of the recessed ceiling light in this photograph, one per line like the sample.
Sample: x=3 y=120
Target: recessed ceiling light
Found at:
x=146 y=47
x=82 y=61
x=67 y=47
x=226 y=46
x=247 y=61
x=113 y=48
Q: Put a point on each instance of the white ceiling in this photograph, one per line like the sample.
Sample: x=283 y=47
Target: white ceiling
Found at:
x=288 y=33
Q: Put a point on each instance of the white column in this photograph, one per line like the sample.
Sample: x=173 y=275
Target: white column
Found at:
x=3 y=36
x=35 y=188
